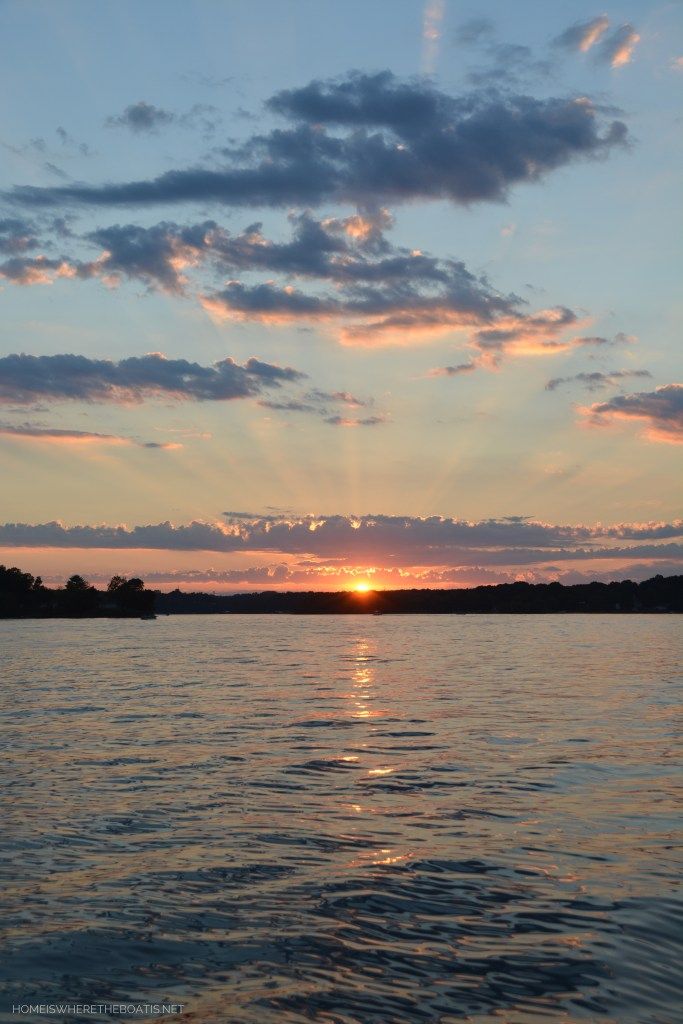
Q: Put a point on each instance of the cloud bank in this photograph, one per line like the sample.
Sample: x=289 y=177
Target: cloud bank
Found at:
x=383 y=541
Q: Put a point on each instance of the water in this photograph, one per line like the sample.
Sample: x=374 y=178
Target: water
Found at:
x=345 y=819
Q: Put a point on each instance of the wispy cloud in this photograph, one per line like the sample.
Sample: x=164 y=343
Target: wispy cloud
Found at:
x=583 y=35
x=454 y=371
x=58 y=436
x=617 y=50
x=596 y=380
x=144 y=118
x=431 y=34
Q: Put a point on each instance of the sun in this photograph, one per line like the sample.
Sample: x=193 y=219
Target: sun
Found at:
x=362 y=588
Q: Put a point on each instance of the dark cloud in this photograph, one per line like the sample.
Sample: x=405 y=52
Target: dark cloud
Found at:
x=599 y=341
x=295 y=405
x=31 y=270
x=141 y=118
x=271 y=302
x=26 y=379
x=582 y=35
x=317 y=403
x=380 y=292
x=343 y=397
x=56 y=171
x=454 y=371
x=17 y=236
x=348 y=421
x=661 y=410
x=390 y=541
x=597 y=380
x=353 y=250
x=154 y=255
x=400 y=141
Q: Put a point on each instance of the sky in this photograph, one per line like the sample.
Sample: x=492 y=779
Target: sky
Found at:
x=302 y=295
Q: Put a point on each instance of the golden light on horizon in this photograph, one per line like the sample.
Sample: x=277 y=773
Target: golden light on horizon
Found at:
x=362 y=588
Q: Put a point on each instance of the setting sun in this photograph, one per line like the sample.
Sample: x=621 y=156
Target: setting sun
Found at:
x=362 y=588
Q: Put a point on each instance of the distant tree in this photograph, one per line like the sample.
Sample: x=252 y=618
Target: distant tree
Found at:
x=80 y=598
x=130 y=596
x=76 y=584
x=15 y=581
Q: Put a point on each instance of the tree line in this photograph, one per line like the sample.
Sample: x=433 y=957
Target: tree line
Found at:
x=659 y=594
x=25 y=596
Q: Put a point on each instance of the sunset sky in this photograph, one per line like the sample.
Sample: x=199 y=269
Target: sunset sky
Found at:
x=306 y=294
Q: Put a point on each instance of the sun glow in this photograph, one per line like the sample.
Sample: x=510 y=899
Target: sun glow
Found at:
x=362 y=588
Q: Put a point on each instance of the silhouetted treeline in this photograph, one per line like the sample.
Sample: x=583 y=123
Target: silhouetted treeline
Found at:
x=660 y=594
x=24 y=596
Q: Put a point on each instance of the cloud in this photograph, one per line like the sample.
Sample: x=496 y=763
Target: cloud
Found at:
x=386 y=296
x=403 y=313
x=345 y=397
x=508 y=64
x=141 y=118
x=16 y=236
x=661 y=410
x=368 y=290
x=454 y=371
x=71 y=145
x=394 y=141
x=391 y=542
x=596 y=380
x=474 y=31
x=317 y=402
x=26 y=379
x=155 y=255
x=431 y=34
x=35 y=270
x=346 y=421
x=583 y=35
x=599 y=341
x=53 y=435
x=617 y=49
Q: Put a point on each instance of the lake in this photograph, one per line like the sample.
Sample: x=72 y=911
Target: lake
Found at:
x=345 y=819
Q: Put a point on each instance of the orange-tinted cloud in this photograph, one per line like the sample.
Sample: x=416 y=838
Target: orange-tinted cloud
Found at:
x=58 y=436
x=661 y=410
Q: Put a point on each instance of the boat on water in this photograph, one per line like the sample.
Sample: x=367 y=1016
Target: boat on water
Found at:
x=149 y=615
